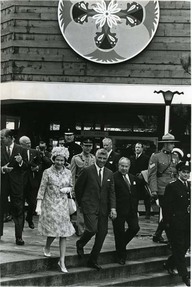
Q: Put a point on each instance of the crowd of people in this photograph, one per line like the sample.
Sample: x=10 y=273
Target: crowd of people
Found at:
x=104 y=185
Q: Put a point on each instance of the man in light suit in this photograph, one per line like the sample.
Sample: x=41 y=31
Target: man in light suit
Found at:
x=176 y=217
x=127 y=198
x=13 y=162
x=95 y=195
x=113 y=157
x=31 y=178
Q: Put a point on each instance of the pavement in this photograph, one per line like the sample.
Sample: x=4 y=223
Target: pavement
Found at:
x=34 y=242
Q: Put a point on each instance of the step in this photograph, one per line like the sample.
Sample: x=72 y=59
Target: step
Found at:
x=78 y=274
x=45 y=264
x=161 y=278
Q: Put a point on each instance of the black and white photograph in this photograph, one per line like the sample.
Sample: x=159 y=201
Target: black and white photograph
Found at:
x=95 y=143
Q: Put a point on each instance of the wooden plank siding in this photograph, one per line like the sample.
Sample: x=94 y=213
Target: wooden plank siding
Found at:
x=33 y=48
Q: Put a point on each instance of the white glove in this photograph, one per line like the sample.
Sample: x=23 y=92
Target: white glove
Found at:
x=38 y=207
x=66 y=189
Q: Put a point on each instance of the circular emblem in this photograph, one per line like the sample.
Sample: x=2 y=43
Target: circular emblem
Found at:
x=108 y=31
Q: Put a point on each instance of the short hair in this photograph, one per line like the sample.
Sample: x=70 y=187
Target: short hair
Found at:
x=124 y=158
x=7 y=133
x=101 y=151
x=139 y=143
x=42 y=142
x=107 y=140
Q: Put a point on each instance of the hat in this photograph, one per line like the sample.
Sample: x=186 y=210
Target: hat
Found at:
x=178 y=151
x=59 y=151
x=183 y=165
x=168 y=138
x=87 y=141
x=69 y=132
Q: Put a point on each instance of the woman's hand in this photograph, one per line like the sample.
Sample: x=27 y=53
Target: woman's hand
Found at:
x=38 y=207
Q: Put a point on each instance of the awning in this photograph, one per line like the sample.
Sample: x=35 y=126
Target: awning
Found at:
x=99 y=93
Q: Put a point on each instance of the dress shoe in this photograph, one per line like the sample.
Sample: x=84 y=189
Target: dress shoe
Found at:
x=31 y=224
x=121 y=261
x=19 y=241
x=80 y=250
x=170 y=270
x=63 y=269
x=186 y=280
x=159 y=239
x=94 y=265
x=46 y=254
x=7 y=218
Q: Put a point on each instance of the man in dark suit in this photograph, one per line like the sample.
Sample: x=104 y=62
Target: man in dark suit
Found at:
x=176 y=217
x=13 y=162
x=139 y=162
x=113 y=157
x=95 y=195
x=127 y=198
x=31 y=178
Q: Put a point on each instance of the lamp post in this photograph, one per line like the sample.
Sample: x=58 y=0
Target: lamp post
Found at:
x=168 y=97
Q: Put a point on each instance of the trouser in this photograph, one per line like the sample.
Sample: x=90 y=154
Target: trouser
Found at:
x=17 y=214
x=161 y=225
x=80 y=221
x=122 y=236
x=11 y=187
x=30 y=196
x=180 y=243
x=147 y=203
x=94 y=225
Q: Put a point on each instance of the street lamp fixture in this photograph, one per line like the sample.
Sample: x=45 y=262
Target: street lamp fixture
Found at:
x=168 y=97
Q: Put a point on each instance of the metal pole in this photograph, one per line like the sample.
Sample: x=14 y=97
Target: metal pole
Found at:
x=167 y=119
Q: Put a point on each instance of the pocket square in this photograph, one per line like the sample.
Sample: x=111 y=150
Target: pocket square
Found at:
x=134 y=182
x=108 y=179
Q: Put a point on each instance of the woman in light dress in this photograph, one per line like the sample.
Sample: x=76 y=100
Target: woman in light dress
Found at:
x=52 y=204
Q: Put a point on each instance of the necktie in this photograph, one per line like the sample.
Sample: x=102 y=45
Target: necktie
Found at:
x=9 y=151
x=100 y=176
x=127 y=182
x=28 y=155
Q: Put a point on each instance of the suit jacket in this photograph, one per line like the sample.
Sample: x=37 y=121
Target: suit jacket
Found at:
x=15 y=177
x=138 y=164
x=91 y=197
x=33 y=177
x=126 y=200
x=176 y=205
x=112 y=161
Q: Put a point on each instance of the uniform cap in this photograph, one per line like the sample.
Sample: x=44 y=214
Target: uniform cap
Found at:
x=183 y=165
x=87 y=141
x=168 y=138
x=178 y=151
x=69 y=131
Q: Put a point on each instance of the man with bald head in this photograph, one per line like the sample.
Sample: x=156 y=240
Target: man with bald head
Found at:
x=127 y=198
x=31 y=178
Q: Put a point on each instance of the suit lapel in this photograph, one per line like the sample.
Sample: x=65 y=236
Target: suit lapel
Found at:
x=5 y=153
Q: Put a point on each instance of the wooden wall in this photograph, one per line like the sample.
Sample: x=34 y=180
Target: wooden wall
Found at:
x=33 y=48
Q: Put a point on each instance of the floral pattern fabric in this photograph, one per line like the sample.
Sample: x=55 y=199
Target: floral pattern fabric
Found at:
x=54 y=220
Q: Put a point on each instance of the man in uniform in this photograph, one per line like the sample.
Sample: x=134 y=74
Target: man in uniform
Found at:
x=78 y=163
x=161 y=171
x=176 y=216
x=71 y=145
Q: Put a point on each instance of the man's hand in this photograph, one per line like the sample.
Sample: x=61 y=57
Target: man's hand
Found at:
x=18 y=158
x=6 y=168
x=113 y=213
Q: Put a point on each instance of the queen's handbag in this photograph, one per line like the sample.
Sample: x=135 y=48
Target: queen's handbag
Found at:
x=72 y=206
